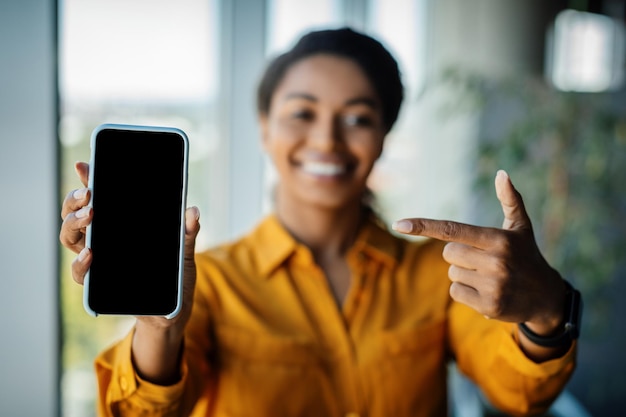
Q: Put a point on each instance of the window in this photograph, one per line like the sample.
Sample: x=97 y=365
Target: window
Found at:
x=401 y=26
x=142 y=62
x=159 y=62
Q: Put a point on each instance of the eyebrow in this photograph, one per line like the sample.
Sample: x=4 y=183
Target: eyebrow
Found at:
x=304 y=96
x=354 y=101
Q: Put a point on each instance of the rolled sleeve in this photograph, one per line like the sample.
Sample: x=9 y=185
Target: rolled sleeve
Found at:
x=488 y=352
x=122 y=391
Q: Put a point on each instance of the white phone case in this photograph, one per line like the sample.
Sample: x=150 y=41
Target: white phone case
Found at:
x=88 y=237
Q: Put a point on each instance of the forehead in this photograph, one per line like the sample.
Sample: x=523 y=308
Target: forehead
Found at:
x=326 y=76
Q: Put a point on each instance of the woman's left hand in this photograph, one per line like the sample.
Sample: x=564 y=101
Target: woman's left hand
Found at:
x=499 y=272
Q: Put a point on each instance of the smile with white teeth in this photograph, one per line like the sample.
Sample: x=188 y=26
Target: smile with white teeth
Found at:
x=323 y=168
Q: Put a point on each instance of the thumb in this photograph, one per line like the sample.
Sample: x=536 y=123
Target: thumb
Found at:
x=192 y=227
x=82 y=170
x=515 y=216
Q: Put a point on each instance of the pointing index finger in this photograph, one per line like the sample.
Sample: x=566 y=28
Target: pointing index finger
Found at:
x=446 y=230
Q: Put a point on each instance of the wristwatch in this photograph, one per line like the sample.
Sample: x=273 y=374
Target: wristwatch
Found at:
x=571 y=328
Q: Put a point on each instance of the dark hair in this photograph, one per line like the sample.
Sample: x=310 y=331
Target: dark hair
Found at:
x=372 y=57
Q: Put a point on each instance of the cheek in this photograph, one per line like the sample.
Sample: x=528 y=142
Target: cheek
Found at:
x=274 y=139
x=281 y=133
x=279 y=147
x=368 y=150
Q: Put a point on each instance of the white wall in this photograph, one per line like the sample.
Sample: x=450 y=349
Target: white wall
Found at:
x=28 y=210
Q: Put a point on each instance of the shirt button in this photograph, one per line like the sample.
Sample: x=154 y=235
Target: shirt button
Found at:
x=123 y=383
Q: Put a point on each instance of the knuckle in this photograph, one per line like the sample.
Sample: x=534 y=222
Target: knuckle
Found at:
x=68 y=197
x=455 y=291
x=494 y=308
x=454 y=252
x=447 y=253
x=63 y=238
x=77 y=274
x=65 y=207
x=496 y=302
x=500 y=267
x=449 y=250
x=453 y=273
x=450 y=230
x=500 y=241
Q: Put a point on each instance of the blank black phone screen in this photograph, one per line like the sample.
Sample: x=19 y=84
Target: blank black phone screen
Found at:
x=138 y=206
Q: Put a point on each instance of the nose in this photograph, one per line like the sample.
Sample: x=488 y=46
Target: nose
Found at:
x=325 y=134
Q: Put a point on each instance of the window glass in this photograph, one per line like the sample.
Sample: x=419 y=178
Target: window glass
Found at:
x=156 y=62
x=288 y=20
x=147 y=62
x=402 y=27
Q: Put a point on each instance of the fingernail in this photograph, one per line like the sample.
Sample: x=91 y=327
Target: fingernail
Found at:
x=83 y=212
x=80 y=193
x=82 y=254
x=502 y=173
x=403 y=226
x=196 y=212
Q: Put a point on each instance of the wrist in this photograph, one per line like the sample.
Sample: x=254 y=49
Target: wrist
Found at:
x=158 y=330
x=156 y=352
x=551 y=321
x=557 y=332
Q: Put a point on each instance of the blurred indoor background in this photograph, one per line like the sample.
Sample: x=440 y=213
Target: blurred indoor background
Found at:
x=531 y=86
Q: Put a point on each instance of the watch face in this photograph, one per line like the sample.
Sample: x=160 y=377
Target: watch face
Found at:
x=575 y=313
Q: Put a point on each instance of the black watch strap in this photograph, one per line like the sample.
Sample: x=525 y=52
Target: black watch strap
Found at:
x=571 y=328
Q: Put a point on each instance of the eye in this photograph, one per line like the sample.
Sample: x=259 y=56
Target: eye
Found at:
x=357 y=120
x=303 y=114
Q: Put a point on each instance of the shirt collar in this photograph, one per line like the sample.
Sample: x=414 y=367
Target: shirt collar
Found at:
x=274 y=245
x=375 y=241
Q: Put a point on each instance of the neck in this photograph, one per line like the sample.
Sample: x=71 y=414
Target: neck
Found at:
x=329 y=232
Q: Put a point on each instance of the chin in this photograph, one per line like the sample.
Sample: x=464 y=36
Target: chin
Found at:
x=330 y=200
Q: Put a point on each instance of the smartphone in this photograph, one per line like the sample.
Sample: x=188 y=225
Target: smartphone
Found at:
x=138 y=183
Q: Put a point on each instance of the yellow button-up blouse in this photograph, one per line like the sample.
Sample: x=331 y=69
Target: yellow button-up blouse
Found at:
x=267 y=338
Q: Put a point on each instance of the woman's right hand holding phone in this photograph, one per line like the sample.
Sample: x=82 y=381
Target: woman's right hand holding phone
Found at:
x=77 y=215
x=157 y=340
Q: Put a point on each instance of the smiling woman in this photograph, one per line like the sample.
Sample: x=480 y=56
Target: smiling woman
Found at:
x=320 y=298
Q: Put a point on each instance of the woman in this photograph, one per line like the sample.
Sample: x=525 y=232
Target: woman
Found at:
x=320 y=310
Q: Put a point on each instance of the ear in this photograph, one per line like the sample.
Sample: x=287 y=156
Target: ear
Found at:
x=264 y=129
